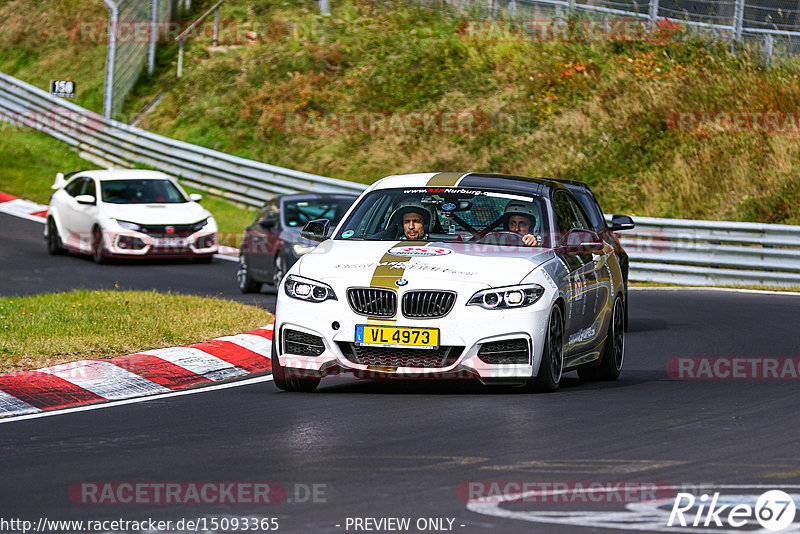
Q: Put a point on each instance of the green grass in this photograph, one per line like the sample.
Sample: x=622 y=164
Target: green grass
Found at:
x=41 y=41
x=31 y=161
x=48 y=329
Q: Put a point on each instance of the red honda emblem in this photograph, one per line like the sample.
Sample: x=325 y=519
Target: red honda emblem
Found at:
x=170 y=229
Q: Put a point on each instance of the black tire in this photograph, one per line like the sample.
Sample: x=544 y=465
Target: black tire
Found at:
x=625 y=302
x=613 y=355
x=552 y=367
x=243 y=279
x=98 y=246
x=286 y=382
x=54 y=245
x=278 y=269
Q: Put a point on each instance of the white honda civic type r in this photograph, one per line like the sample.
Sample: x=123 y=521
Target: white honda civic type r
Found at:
x=448 y=275
x=127 y=213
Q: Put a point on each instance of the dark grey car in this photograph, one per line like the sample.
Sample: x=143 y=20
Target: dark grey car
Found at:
x=589 y=203
x=272 y=243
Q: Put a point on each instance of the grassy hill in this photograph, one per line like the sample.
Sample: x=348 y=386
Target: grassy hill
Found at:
x=40 y=41
x=348 y=96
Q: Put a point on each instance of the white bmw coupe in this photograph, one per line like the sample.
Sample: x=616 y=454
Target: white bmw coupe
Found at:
x=448 y=275
x=127 y=213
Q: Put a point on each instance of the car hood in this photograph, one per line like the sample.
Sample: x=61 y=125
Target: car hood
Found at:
x=432 y=264
x=190 y=212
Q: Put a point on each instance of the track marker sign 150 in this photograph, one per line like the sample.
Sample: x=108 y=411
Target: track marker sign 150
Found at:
x=62 y=88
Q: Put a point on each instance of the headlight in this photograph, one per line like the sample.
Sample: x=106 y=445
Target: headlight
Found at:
x=196 y=227
x=304 y=289
x=129 y=225
x=302 y=249
x=507 y=297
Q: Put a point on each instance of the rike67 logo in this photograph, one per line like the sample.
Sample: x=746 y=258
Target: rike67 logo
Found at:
x=695 y=509
x=774 y=510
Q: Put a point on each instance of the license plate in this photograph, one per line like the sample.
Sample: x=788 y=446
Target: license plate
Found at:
x=393 y=336
x=170 y=242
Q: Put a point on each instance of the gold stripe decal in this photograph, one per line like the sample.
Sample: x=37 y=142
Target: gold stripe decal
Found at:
x=445 y=179
x=390 y=270
x=386 y=275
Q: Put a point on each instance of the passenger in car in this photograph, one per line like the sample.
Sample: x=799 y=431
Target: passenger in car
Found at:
x=521 y=219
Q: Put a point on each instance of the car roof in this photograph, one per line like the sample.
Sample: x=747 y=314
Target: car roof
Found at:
x=538 y=186
x=312 y=196
x=573 y=184
x=125 y=174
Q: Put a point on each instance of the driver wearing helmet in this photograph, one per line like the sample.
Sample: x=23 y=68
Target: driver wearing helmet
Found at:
x=413 y=219
x=520 y=217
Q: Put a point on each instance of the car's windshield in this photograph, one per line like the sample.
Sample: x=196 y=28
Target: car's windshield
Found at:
x=447 y=215
x=299 y=212
x=144 y=191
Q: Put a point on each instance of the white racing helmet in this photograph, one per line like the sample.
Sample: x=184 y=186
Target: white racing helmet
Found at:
x=517 y=207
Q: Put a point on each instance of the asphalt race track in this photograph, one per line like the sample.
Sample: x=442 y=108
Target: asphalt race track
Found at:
x=26 y=268
x=358 y=453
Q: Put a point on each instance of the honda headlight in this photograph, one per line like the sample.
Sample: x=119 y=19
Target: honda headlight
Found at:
x=196 y=227
x=129 y=225
x=301 y=288
x=507 y=297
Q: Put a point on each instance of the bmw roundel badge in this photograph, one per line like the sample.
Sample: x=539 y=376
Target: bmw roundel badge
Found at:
x=401 y=282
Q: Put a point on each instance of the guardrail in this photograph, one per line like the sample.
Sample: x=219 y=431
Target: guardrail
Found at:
x=661 y=250
x=695 y=252
x=118 y=144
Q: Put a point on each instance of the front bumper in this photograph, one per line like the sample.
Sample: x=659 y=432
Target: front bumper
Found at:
x=136 y=244
x=471 y=340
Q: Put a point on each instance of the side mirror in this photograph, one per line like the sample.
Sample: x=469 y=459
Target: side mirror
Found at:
x=59 y=182
x=85 y=199
x=621 y=222
x=195 y=197
x=269 y=222
x=316 y=230
x=578 y=240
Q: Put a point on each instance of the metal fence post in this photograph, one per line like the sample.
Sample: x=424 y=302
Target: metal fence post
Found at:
x=108 y=89
x=738 y=19
x=324 y=7
x=151 y=52
x=216 y=26
x=182 y=37
x=768 y=42
x=653 y=11
x=180 y=57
